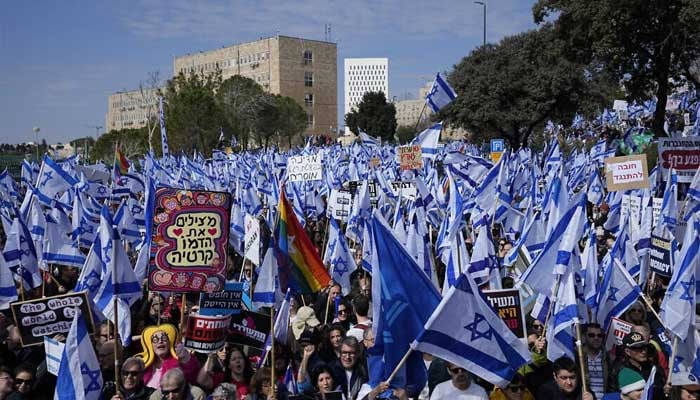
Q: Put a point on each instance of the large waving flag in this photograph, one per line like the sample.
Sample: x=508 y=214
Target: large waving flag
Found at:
x=618 y=292
x=403 y=298
x=440 y=95
x=8 y=290
x=52 y=180
x=300 y=265
x=428 y=140
x=79 y=375
x=339 y=257
x=467 y=332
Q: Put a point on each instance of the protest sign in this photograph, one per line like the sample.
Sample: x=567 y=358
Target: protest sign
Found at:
x=252 y=239
x=355 y=186
x=230 y=301
x=190 y=239
x=660 y=256
x=54 y=354
x=616 y=332
x=627 y=172
x=410 y=157
x=631 y=206
x=205 y=333
x=406 y=188
x=339 y=205
x=681 y=224
x=304 y=168
x=49 y=316
x=508 y=306
x=681 y=154
x=249 y=328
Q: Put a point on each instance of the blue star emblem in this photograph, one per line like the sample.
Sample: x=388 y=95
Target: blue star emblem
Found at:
x=687 y=285
x=341 y=266
x=596 y=188
x=101 y=190
x=331 y=246
x=93 y=377
x=613 y=292
x=47 y=177
x=106 y=250
x=92 y=281
x=473 y=327
x=136 y=209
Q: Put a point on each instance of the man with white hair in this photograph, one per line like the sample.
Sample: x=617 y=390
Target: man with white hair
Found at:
x=173 y=386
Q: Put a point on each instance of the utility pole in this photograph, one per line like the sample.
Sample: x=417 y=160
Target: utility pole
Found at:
x=483 y=4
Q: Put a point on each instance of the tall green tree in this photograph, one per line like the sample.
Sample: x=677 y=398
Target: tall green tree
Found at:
x=373 y=115
x=133 y=143
x=291 y=120
x=649 y=46
x=192 y=115
x=512 y=88
x=240 y=100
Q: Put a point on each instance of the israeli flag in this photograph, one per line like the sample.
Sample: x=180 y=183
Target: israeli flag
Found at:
x=467 y=332
x=367 y=139
x=8 y=290
x=617 y=293
x=52 y=181
x=339 y=256
x=428 y=140
x=79 y=376
x=440 y=95
x=163 y=134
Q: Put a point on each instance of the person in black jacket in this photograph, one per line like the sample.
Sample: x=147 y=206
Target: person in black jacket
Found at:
x=131 y=386
x=565 y=384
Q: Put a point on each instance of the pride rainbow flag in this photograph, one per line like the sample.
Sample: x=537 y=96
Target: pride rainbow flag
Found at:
x=300 y=266
x=121 y=164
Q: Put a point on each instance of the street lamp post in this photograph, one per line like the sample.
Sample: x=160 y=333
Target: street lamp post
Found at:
x=483 y=4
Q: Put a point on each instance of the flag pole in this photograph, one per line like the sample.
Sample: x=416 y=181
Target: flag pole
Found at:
x=420 y=116
x=399 y=365
x=671 y=361
x=551 y=306
x=579 y=347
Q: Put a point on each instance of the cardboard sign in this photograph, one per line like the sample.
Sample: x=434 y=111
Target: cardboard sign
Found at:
x=681 y=154
x=304 y=168
x=660 y=256
x=206 y=334
x=509 y=307
x=406 y=188
x=616 y=332
x=190 y=239
x=49 y=316
x=230 y=301
x=54 y=354
x=252 y=239
x=339 y=205
x=249 y=329
x=628 y=172
x=410 y=157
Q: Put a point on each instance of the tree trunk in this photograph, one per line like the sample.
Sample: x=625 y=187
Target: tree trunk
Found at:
x=662 y=73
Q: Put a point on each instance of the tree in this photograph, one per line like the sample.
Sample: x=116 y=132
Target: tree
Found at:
x=292 y=118
x=240 y=100
x=511 y=88
x=133 y=143
x=193 y=117
x=649 y=46
x=373 y=115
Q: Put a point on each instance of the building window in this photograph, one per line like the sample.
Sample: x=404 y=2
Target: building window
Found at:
x=308 y=99
x=309 y=120
x=308 y=79
x=308 y=57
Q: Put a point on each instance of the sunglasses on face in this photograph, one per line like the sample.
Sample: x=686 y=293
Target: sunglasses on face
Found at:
x=537 y=326
x=19 y=381
x=342 y=312
x=596 y=335
x=160 y=338
x=457 y=370
x=636 y=310
x=515 y=388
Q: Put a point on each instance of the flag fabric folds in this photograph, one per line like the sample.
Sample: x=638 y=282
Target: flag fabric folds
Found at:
x=79 y=376
x=440 y=95
x=467 y=332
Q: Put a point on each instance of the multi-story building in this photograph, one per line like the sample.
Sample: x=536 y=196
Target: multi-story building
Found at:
x=364 y=75
x=131 y=109
x=408 y=111
x=303 y=69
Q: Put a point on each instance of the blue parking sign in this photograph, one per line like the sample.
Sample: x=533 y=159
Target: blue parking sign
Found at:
x=497 y=145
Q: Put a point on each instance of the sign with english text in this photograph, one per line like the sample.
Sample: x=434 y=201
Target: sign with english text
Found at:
x=189 y=240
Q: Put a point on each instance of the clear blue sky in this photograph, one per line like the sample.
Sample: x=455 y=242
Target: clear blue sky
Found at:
x=60 y=60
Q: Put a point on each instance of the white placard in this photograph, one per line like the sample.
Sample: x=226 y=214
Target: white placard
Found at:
x=616 y=332
x=54 y=354
x=252 y=239
x=632 y=206
x=681 y=225
x=339 y=205
x=406 y=188
x=619 y=105
x=304 y=168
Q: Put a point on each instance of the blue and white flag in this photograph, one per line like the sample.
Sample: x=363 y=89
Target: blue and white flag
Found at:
x=163 y=134
x=467 y=332
x=560 y=335
x=595 y=188
x=440 y=95
x=339 y=256
x=428 y=140
x=678 y=306
x=79 y=376
x=8 y=290
x=648 y=393
x=618 y=292
x=267 y=290
x=367 y=139
x=58 y=247
x=402 y=299
x=52 y=181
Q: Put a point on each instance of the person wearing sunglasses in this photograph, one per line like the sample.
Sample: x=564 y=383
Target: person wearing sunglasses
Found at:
x=514 y=390
x=24 y=380
x=459 y=387
x=173 y=386
x=131 y=385
x=161 y=354
x=596 y=360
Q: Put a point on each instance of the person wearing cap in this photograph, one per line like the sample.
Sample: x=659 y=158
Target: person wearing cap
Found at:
x=631 y=384
x=636 y=357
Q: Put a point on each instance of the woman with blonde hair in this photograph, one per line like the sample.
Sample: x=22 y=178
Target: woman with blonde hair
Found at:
x=161 y=354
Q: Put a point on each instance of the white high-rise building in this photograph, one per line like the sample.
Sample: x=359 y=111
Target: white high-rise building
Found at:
x=364 y=75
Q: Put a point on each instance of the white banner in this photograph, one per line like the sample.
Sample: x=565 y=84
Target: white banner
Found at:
x=339 y=205
x=54 y=354
x=304 y=168
x=252 y=239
